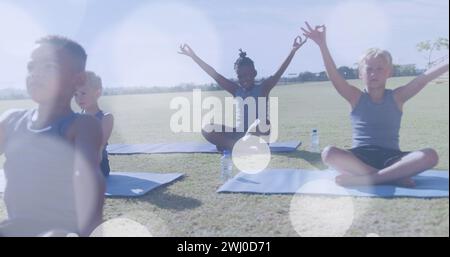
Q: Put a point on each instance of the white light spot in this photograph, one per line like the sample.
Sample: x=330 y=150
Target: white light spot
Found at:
x=251 y=154
x=316 y=217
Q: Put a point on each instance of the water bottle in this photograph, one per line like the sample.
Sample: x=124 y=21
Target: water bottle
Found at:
x=315 y=147
x=226 y=164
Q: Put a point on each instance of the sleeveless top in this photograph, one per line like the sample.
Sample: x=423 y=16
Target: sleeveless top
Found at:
x=376 y=123
x=104 y=164
x=39 y=170
x=247 y=107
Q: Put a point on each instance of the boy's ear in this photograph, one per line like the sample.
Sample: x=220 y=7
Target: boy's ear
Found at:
x=255 y=73
x=80 y=79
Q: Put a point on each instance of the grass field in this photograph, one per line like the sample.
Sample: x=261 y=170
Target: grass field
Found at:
x=190 y=206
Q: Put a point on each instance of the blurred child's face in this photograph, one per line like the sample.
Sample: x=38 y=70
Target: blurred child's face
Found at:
x=87 y=96
x=375 y=72
x=246 y=75
x=51 y=77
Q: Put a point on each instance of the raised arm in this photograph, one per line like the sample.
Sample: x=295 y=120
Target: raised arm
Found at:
x=223 y=82
x=406 y=92
x=273 y=80
x=89 y=182
x=318 y=35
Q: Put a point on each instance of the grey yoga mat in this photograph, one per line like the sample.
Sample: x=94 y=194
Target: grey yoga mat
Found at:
x=187 y=147
x=126 y=184
x=431 y=183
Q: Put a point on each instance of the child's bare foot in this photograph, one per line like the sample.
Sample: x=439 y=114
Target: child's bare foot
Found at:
x=406 y=182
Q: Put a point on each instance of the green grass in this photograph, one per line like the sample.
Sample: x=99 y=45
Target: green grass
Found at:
x=190 y=207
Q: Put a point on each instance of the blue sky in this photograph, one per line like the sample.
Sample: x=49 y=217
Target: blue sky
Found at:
x=134 y=43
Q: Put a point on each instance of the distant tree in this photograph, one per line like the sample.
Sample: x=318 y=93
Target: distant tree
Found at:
x=322 y=76
x=404 y=70
x=347 y=72
x=431 y=47
x=306 y=76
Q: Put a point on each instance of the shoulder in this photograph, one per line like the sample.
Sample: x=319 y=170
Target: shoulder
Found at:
x=269 y=81
x=107 y=120
x=7 y=121
x=393 y=93
x=398 y=90
x=357 y=98
x=267 y=84
x=11 y=115
x=107 y=116
x=389 y=91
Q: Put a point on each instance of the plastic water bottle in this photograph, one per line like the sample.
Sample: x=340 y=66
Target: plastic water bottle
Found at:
x=226 y=164
x=315 y=146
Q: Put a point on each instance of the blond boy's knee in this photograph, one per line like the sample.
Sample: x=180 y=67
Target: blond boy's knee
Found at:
x=430 y=156
x=329 y=153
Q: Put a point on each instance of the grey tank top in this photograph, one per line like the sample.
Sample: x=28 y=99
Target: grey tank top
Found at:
x=247 y=111
x=39 y=169
x=376 y=123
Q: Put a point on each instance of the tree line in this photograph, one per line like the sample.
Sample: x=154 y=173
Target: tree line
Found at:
x=429 y=48
x=350 y=73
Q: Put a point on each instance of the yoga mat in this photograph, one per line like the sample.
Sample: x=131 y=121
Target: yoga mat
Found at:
x=431 y=183
x=126 y=184
x=187 y=147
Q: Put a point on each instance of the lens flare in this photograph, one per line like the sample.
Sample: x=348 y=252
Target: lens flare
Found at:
x=317 y=217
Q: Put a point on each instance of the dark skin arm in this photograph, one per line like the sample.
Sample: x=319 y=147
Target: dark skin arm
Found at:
x=272 y=81
x=223 y=82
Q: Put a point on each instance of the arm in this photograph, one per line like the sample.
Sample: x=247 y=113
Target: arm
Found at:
x=221 y=80
x=406 y=92
x=349 y=92
x=107 y=127
x=89 y=183
x=271 y=82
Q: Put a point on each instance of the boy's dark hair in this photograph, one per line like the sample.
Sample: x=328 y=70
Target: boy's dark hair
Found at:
x=243 y=60
x=75 y=50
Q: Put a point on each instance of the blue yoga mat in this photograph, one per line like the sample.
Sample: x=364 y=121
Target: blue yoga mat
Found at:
x=431 y=183
x=187 y=147
x=126 y=184
x=130 y=184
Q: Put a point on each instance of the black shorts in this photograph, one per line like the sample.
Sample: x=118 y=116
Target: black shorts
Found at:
x=236 y=135
x=376 y=156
